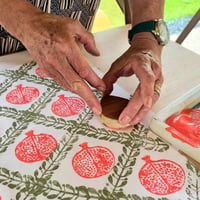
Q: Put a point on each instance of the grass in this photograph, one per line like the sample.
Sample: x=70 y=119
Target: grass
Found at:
x=174 y=9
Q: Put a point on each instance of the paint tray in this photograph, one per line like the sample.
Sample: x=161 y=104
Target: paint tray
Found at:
x=159 y=126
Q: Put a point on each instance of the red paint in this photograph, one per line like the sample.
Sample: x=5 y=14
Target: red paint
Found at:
x=186 y=126
x=22 y=95
x=93 y=162
x=161 y=177
x=35 y=147
x=68 y=106
x=40 y=73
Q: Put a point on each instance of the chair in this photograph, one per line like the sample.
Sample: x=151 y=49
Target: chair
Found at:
x=124 y=5
x=189 y=27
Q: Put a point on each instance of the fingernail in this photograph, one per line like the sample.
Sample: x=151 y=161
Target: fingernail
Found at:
x=148 y=102
x=136 y=120
x=95 y=53
x=125 y=120
x=96 y=111
x=103 y=89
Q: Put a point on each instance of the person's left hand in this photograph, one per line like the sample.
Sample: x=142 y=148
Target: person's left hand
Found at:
x=143 y=59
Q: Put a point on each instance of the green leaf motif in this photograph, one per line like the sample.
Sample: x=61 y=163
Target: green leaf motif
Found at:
x=42 y=81
x=193 y=183
x=11 y=113
x=51 y=164
x=14 y=75
x=40 y=184
x=11 y=134
x=52 y=196
x=119 y=177
x=51 y=121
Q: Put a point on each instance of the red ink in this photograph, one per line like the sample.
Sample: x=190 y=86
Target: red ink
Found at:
x=22 y=95
x=35 y=147
x=93 y=162
x=40 y=73
x=68 y=106
x=161 y=177
x=186 y=126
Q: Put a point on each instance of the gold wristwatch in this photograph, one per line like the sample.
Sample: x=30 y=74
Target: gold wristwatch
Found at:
x=157 y=27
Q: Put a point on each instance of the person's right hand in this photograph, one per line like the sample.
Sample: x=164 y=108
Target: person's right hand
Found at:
x=52 y=41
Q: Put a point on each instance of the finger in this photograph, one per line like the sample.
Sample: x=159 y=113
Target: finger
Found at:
x=142 y=69
x=131 y=110
x=109 y=79
x=140 y=115
x=87 y=39
x=158 y=84
x=80 y=65
x=78 y=86
x=48 y=69
x=117 y=69
x=70 y=80
x=144 y=110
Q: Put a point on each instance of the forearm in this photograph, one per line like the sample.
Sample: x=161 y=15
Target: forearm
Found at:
x=15 y=15
x=145 y=10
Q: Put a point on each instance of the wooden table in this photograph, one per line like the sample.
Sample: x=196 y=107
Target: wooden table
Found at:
x=181 y=68
x=125 y=160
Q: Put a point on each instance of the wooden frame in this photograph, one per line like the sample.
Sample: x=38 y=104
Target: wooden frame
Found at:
x=189 y=27
x=124 y=5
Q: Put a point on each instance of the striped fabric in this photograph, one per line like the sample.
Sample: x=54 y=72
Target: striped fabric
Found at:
x=82 y=10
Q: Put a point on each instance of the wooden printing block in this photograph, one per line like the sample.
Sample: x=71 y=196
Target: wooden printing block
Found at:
x=112 y=107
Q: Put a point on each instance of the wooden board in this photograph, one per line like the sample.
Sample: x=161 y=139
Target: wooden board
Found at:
x=158 y=125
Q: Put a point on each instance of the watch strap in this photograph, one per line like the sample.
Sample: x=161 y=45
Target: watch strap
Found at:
x=147 y=26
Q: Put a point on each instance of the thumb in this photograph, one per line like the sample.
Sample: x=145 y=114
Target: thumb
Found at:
x=109 y=79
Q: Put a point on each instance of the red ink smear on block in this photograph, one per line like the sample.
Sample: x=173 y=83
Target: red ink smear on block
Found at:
x=35 y=147
x=186 y=126
x=93 y=162
x=68 y=106
x=40 y=73
x=22 y=95
x=161 y=177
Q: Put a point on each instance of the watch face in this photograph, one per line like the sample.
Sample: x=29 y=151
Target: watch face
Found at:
x=163 y=32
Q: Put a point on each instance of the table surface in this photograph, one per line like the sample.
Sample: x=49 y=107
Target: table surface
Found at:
x=46 y=155
x=180 y=66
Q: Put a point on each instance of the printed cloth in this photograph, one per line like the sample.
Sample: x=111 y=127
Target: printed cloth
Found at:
x=82 y=10
x=53 y=147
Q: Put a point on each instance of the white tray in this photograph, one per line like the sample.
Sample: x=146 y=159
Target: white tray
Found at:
x=158 y=125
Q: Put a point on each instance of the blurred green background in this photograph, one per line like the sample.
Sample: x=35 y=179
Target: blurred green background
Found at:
x=113 y=17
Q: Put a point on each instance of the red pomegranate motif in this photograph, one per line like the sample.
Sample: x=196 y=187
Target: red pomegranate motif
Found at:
x=40 y=73
x=161 y=177
x=22 y=95
x=68 y=106
x=35 y=147
x=93 y=162
x=186 y=126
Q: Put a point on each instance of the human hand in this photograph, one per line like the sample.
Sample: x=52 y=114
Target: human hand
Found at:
x=143 y=59
x=53 y=41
